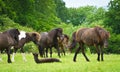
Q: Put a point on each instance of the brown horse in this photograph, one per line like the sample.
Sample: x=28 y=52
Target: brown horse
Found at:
x=63 y=42
x=49 y=40
x=45 y=60
x=96 y=36
x=25 y=37
x=8 y=39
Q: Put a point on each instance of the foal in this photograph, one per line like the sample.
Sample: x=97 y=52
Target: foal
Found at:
x=63 y=42
x=45 y=60
x=23 y=39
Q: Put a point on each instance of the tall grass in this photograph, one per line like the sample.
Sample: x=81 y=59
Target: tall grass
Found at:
x=111 y=64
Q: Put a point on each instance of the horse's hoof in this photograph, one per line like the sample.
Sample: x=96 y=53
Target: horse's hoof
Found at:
x=88 y=60
x=98 y=60
x=102 y=60
x=74 y=60
x=13 y=60
x=1 y=59
x=9 y=62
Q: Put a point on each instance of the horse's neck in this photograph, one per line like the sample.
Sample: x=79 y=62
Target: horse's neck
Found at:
x=28 y=39
x=52 y=36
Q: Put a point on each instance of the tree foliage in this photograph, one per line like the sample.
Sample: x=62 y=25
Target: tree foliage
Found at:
x=86 y=15
x=113 y=16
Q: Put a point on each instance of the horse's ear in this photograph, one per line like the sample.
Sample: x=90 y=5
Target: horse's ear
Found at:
x=34 y=34
x=17 y=31
x=59 y=29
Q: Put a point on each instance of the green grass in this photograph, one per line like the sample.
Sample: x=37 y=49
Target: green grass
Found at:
x=111 y=63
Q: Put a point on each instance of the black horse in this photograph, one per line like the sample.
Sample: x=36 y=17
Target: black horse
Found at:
x=49 y=40
x=96 y=36
x=8 y=39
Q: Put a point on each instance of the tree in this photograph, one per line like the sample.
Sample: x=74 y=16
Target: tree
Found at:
x=113 y=16
x=61 y=10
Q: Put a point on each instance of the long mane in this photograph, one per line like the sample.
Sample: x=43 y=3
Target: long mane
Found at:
x=103 y=34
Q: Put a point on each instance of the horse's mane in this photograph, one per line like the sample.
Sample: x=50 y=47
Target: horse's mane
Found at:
x=66 y=36
x=103 y=34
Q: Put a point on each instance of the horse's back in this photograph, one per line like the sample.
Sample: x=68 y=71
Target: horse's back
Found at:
x=90 y=37
x=3 y=39
x=78 y=33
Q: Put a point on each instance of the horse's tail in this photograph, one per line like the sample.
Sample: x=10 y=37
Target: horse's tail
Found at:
x=74 y=42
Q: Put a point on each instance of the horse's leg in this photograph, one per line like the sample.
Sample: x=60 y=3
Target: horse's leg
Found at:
x=46 y=52
x=101 y=50
x=98 y=52
x=0 y=56
x=23 y=54
x=83 y=52
x=56 y=46
x=13 y=56
x=50 y=51
x=77 y=51
x=62 y=48
x=40 y=50
x=8 y=53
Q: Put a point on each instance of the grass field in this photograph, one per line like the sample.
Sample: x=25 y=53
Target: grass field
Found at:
x=111 y=63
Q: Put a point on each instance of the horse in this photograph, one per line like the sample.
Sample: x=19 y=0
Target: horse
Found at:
x=25 y=37
x=97 y=37
x=63 y=43
x=45 y=60
x=49 y=40
x=8 y=39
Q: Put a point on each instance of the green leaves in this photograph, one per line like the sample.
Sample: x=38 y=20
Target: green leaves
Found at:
x=113 y=16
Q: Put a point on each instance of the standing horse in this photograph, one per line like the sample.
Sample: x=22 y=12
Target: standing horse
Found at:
x=25 y=37
x=63 y=42
x=49 y=40
x=96 y=36
x=8 y=39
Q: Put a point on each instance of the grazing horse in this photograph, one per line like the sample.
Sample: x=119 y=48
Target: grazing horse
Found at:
x=25 y=37
x=46 y=60
x=63 y=42
x=97 y=37
x=8 y=39
x=49 y=40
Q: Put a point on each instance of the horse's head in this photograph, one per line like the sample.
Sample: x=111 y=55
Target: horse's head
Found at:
x=59 y=32
x=35 y=55
x=66 y=41
x=104 y=36
x=14 y=33
x=35 y=37
x=105 y=40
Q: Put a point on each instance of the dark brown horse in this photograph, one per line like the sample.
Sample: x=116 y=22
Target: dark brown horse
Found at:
x=63 y=43
x=45 y=60
x=8 y=39
x=96 y=36
x=25 y=37
x=49 y=40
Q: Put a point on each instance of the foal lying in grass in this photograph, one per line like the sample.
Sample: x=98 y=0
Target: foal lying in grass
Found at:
x=45 y=60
